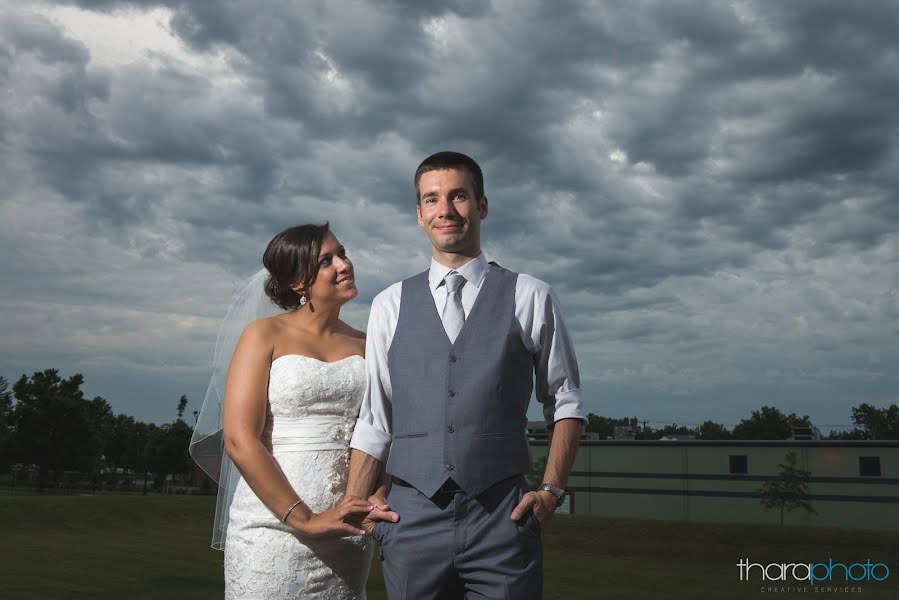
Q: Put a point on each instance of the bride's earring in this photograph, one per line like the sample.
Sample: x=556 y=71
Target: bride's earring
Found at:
x=303 y=298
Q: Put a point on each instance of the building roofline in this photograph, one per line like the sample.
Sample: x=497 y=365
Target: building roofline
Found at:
x=743 y=443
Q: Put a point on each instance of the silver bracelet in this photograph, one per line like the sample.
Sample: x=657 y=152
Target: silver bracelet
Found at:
x=289 y=510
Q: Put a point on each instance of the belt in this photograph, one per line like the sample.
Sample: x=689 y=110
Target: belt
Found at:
x=449 y=487
x=310 y=433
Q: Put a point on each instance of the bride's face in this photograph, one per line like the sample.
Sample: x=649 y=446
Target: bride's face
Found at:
x=335 y=281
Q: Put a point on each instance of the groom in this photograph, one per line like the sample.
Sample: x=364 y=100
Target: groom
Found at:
x=452 y=354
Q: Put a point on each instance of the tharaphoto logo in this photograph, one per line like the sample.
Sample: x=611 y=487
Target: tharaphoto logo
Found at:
x=829 y=576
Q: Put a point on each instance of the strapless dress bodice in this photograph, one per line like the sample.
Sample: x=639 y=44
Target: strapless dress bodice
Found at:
x=313 y=404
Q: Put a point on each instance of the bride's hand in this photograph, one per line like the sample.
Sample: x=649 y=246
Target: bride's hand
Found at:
x=334 y=520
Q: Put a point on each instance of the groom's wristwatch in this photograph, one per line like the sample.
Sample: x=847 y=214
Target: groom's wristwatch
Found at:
x=557 y=492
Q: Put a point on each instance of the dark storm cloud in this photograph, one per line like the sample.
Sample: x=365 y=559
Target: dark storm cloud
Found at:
x=393 y=72
x=386 y=56
x=391 y=63
x=54 y=124
x=841 y=125
x=431 y=8
x=41 y=37
x=161 y=116
x=811 y=85
x=709 y=186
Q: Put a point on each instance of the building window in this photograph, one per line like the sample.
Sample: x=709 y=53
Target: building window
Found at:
x=869 y=466
x=739 y=464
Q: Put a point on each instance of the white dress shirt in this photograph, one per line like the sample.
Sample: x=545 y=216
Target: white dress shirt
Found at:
x=543 y=333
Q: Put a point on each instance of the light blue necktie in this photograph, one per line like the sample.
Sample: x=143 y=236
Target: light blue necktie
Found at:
x=453 y=314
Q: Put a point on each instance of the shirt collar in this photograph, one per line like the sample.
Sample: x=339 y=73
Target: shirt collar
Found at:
x=474 y=271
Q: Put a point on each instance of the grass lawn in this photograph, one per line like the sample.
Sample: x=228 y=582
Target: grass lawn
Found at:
x=123 y=546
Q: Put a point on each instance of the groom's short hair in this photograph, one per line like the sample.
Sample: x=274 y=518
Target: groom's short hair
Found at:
x=451 y=160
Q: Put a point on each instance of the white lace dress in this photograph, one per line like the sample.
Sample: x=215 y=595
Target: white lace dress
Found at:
x=313 y=407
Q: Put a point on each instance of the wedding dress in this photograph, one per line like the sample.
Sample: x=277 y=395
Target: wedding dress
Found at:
x=313 y=407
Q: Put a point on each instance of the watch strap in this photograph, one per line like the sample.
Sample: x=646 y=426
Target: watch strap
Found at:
x=557 y=492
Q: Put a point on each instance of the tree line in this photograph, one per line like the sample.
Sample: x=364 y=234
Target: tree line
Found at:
x=767 y=423
x=46 y=421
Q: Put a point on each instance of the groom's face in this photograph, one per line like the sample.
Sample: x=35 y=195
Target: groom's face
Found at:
x=450 y=212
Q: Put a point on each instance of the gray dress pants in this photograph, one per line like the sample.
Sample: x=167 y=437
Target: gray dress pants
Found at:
x=453 y=545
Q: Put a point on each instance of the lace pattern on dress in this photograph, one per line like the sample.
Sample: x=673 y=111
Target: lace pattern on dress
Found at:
x=313 y=407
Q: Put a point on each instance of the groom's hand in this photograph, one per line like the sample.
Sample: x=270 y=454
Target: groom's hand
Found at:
x=542 y=504
x=380 y=512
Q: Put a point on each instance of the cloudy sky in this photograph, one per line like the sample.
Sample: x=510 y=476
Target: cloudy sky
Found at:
x=710 y=187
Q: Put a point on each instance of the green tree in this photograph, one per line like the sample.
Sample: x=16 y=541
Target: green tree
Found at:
x=601 y=425
x=6 y=425
x=852 y=434
x=52 y=423
x=146 y=436
x=167 y=447
x=182 y=404
x=877 y=423
x=535 y=477
x=789 y=490
x=672 y=429
x=605 y=426
x=99 y=421
x=769 y=423
x=167 y=450
x=124 y=446
x=711 y=430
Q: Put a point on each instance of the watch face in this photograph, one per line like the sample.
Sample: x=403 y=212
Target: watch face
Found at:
x=557 y=492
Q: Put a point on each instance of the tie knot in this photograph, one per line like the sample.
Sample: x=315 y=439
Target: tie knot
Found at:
x=453 y=282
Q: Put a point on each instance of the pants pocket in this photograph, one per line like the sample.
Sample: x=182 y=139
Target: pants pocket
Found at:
x=382 y=532
x=378 y=532
x=529 y=526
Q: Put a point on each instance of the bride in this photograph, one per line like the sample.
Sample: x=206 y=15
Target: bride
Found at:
x=292 y=394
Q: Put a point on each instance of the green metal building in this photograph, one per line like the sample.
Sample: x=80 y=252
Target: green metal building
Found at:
x=853 y=484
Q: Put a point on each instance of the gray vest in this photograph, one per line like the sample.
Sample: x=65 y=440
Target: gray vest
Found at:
x=459 y=410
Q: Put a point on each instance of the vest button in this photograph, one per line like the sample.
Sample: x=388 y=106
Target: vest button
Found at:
x=453 y=358
x=452 y=393
x=451 y=429
x=449 y=467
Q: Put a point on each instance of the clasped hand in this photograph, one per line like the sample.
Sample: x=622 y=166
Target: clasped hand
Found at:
x=380 y=511
x=358 y=517
x=335 y=521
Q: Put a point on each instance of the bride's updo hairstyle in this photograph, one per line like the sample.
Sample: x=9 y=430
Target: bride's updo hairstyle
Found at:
x=292 y=258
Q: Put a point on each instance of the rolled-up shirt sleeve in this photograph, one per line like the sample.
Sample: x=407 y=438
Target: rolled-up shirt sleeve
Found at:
x=373 y=434
x=558 y=385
